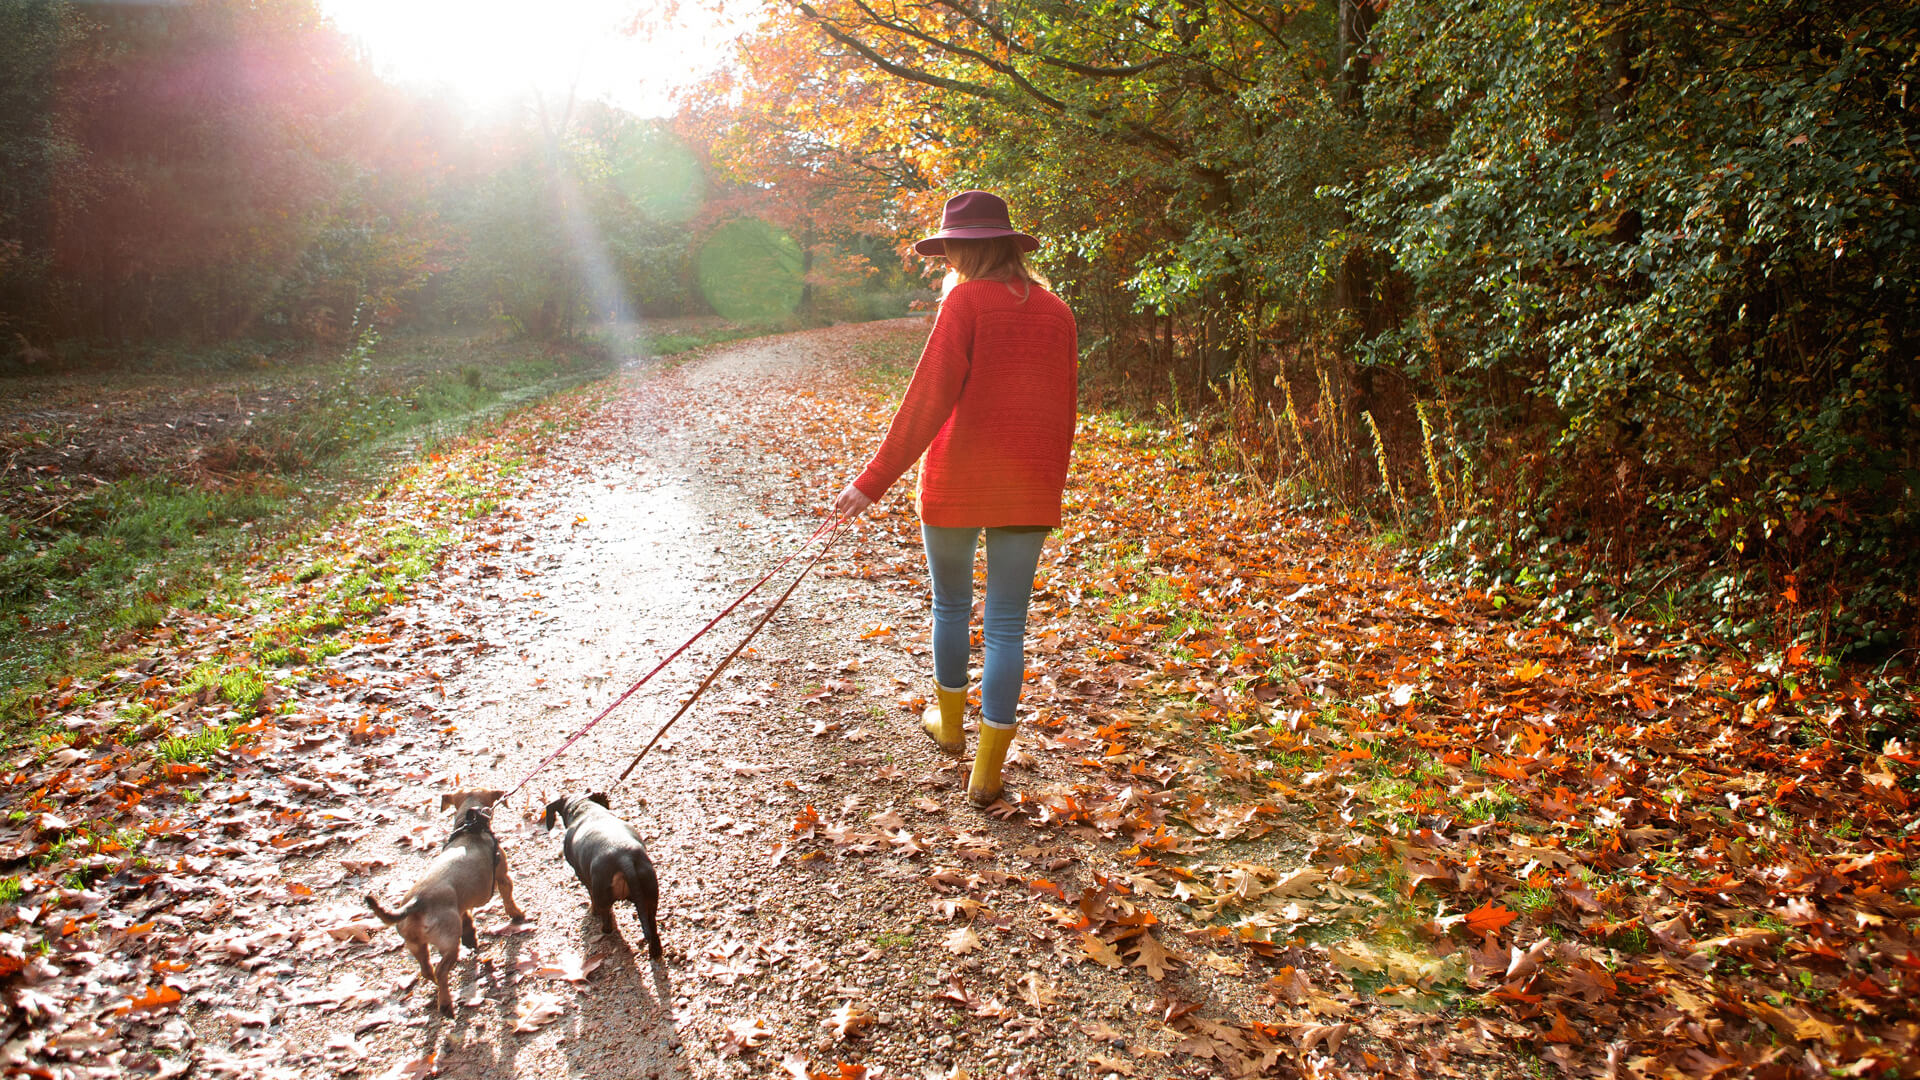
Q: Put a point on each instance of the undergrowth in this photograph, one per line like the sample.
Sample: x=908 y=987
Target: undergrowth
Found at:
x=90 y=564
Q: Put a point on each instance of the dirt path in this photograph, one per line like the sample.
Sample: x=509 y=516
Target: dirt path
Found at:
x=831 y=943
x=1279 y=807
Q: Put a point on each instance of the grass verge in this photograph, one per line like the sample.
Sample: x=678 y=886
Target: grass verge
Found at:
x=99 y=544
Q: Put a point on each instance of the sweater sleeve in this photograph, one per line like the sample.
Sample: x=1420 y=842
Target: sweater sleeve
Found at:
x=937 y=382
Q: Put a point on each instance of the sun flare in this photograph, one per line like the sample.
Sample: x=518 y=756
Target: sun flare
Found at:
x=493 y=51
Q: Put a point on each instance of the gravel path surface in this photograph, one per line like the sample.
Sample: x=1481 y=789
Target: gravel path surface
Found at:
x=828 y=900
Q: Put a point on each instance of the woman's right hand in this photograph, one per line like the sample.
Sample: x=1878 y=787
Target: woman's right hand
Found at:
x=852 y=502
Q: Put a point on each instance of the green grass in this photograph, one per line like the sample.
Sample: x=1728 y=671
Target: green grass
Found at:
x=86 y=566
x=1533 y=902
x=1632 y=940
x=241 y=686
x=1496 y=803
x=199 y=746
x=10 y=890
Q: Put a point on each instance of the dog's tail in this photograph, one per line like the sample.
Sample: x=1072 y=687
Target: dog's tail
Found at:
x=390 y=917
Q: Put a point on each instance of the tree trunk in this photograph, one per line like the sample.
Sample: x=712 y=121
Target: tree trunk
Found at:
x=1356 y=60
x=1352 y=284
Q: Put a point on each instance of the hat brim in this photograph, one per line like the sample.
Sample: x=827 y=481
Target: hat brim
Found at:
x=937 y=243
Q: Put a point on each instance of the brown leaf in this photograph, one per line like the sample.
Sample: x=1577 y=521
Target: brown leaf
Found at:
x=536 y=1011
x=962 y=941
x=1100 y=952
x=743 y=1035
x=965 y=906
x=1590 y=981
x=1036 y=991
x=1561 y=1031
x=1308 y=1036
x=1101 y=1032
x=1302 y=882
x=1152 y=956
x=413 y=1070
x=1289 y=986
x=848 y=1021
x=1522 y=964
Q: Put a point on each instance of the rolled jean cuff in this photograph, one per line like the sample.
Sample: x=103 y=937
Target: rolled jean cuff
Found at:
x=999 y=727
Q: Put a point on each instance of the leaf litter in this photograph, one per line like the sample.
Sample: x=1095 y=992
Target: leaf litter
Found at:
x=1320 y=814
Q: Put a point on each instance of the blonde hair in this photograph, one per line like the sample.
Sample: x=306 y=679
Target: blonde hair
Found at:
x=997 y=259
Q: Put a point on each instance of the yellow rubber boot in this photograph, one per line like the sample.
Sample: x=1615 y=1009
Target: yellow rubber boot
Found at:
x=983 y=788
x=942 y=719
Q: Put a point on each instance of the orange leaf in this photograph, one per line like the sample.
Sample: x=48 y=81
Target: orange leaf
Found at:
x=1042 y=885
x=158 y=997
x=1489 y=919
x=808 y=821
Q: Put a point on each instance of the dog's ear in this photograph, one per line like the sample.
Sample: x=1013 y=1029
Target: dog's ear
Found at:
x=451 y=799
x=553 y=811
x=487 y=796
x=601 y=798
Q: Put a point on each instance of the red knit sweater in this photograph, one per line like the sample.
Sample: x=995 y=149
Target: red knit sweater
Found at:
x=991 y=404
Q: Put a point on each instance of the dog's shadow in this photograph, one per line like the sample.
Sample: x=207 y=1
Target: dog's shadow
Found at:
x=655 y=988
x=463 y=1037
x=642 y=1033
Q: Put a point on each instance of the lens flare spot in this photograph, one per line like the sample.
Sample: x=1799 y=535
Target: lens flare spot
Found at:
x=662 y=177
x=751 y=272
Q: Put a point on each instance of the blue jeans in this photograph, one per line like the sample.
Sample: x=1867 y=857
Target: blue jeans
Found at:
x=1012 y=558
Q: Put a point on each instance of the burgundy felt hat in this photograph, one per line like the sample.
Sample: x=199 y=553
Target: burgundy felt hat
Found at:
x=974 y=215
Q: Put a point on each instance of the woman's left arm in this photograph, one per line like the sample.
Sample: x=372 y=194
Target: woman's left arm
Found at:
x=931 y=396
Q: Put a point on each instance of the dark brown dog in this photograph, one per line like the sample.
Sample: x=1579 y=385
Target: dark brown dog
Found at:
x=608 y=858
x=438 y=910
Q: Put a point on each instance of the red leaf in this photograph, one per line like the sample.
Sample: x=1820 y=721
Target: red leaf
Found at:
x=1489 y=919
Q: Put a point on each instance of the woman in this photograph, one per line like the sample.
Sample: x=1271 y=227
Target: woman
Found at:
x=991 y=405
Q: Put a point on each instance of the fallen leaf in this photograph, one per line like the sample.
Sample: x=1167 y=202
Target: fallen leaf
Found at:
x=536 y=1011
x=1301 y=882
x=1100 y=952
x=1152 y=956
x=1036 y=991
x=413 y=1070
x=158 y=997
x=1308 y=1036
x=742 y=1036
x=1489 y=919
x=962 y=941
x=848 y=1021
x=568 y=967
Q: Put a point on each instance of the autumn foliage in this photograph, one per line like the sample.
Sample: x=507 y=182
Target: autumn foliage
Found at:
x=1582 y=294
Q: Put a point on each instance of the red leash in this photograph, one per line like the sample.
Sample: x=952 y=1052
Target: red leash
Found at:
x=736 y=651
x=827 y=529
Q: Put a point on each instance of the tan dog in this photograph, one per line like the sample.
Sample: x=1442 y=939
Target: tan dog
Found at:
x=438 y=910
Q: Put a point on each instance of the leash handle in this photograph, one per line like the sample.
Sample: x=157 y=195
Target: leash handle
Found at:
x=826 y=528
x=831 y=536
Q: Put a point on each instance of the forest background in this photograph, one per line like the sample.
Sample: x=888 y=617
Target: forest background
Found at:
x=1612 y=304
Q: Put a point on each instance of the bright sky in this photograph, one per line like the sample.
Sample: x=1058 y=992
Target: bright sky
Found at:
x=490 y=51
